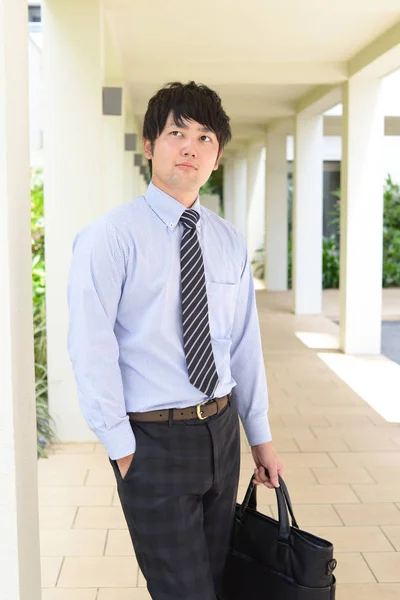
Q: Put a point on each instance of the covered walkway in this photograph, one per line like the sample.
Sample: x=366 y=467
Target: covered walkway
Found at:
x=342 y=463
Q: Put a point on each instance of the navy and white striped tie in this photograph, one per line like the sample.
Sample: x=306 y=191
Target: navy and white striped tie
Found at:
x=196 y=329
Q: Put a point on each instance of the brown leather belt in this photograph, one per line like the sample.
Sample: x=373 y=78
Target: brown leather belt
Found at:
x=201 y=411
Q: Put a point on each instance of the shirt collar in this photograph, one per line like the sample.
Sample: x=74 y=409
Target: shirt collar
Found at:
x=167 y=208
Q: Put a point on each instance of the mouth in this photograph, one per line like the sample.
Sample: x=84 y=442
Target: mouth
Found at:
x=186 y=166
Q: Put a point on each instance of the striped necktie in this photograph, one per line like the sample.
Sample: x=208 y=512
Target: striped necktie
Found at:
x=196 y=329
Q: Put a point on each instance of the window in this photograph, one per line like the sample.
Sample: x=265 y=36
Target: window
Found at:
x=34 y=14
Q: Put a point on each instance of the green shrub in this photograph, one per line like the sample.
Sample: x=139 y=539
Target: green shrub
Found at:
x=331 y=244
x=44 y=422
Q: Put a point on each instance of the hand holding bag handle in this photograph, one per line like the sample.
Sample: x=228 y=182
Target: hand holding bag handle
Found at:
x=284 y=505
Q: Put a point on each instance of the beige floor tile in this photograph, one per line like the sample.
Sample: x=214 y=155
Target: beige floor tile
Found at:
x=393 y=534
x=48 y=475
x=335 y=475
x=105 y=571
x=70 y=542
x=56 y=517
x=311 y=420
x=72 y=448
x=68 y=461
x=369 y=591
x=100 y=517
x=65 y=594
x=141 y=579
x=366 y=459
x=385 y=492
x=330 y=444
x=50 y=569
x=99 y=449
x=347 y=420
x=355 y=539
x=385 y=565
x=352 y=568
x=100 y=477
x=299 y=475
x=313 y=515
x=296 y=460
x=382 y=474
x=116 y=501
x=302 y=433
x=124 y=594
x=369 y=514
x=367 y=444
x=322 y=494
x=119 y=543
x=75 y=496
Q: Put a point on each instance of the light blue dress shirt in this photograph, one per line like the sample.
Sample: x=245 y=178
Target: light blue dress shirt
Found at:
x=125 y=336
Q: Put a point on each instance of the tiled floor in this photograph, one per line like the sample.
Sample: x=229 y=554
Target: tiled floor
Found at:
x=342 y=464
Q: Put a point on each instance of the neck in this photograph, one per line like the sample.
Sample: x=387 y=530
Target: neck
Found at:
x=185 y=197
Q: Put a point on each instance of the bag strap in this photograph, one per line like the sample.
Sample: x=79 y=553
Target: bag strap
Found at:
x=284 y=505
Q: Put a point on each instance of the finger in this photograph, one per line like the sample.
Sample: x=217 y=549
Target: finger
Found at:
x=257 y=476
x=274 y=477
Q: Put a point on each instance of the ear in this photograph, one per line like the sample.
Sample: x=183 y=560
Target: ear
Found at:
x=217 y=161
x=147 y=149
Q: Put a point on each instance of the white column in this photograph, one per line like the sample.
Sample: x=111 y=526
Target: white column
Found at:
x=73 y=150
x=19 y=545
x=307 y=214
x=255 y=198
x=361 y=217
x=113 y=161
x=240 y=193
x=228 y=189
x=276 y=214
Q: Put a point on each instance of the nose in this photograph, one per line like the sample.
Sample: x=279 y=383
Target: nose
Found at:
x=189 y=149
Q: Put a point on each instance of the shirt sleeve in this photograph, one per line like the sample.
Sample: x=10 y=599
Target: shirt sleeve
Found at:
x=95 y=283
x=247 y=362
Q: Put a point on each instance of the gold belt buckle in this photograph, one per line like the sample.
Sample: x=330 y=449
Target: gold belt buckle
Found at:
x=198 y=411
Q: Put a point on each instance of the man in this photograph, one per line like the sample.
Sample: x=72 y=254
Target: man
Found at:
x=165 y=345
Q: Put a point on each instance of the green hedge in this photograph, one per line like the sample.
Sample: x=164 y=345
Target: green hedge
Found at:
x=331 y=244
x=44 y=422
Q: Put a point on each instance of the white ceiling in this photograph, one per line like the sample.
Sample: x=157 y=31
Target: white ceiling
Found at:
x=262 y=56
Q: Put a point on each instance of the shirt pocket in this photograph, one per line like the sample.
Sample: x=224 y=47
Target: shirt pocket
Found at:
x=221 y=308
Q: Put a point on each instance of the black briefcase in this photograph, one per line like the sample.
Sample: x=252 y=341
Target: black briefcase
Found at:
x=271 y=560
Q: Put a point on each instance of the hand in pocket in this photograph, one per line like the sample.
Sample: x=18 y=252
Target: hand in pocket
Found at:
x=124 y=464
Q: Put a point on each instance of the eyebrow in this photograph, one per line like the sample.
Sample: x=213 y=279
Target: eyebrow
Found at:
x=203 y=129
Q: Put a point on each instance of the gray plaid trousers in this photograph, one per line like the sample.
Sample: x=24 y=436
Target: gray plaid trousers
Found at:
x=179 y=498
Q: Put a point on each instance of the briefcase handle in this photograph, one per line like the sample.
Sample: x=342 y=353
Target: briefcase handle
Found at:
x=284 y=506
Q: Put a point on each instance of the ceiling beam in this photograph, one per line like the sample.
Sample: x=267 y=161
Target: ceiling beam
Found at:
x=253 y=72
x=380 y=57
x=320 y=99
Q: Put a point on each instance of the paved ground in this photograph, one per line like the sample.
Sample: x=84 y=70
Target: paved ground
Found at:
x=342 y=463
x=391 y=340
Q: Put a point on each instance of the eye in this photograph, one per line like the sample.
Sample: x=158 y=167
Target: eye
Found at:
x=206 y=138
x=176 y=132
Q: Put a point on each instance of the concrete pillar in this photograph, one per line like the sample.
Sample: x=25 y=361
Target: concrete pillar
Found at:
x=240 y=192
x=307 y=214
x=228 y=189
x=361 y=217
x=255 y=198
x=19 y=546
x=276 y=214
x=73 y=152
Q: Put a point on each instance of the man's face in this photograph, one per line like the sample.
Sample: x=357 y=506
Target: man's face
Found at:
x=183 y=158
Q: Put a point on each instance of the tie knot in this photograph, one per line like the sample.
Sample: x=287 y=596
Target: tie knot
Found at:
x=189 y=218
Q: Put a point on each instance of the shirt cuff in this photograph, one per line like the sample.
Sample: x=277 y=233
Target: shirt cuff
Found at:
x=258 y=431
x=118 y=441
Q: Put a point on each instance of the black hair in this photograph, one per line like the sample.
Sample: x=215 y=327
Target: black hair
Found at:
x=190 y=101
